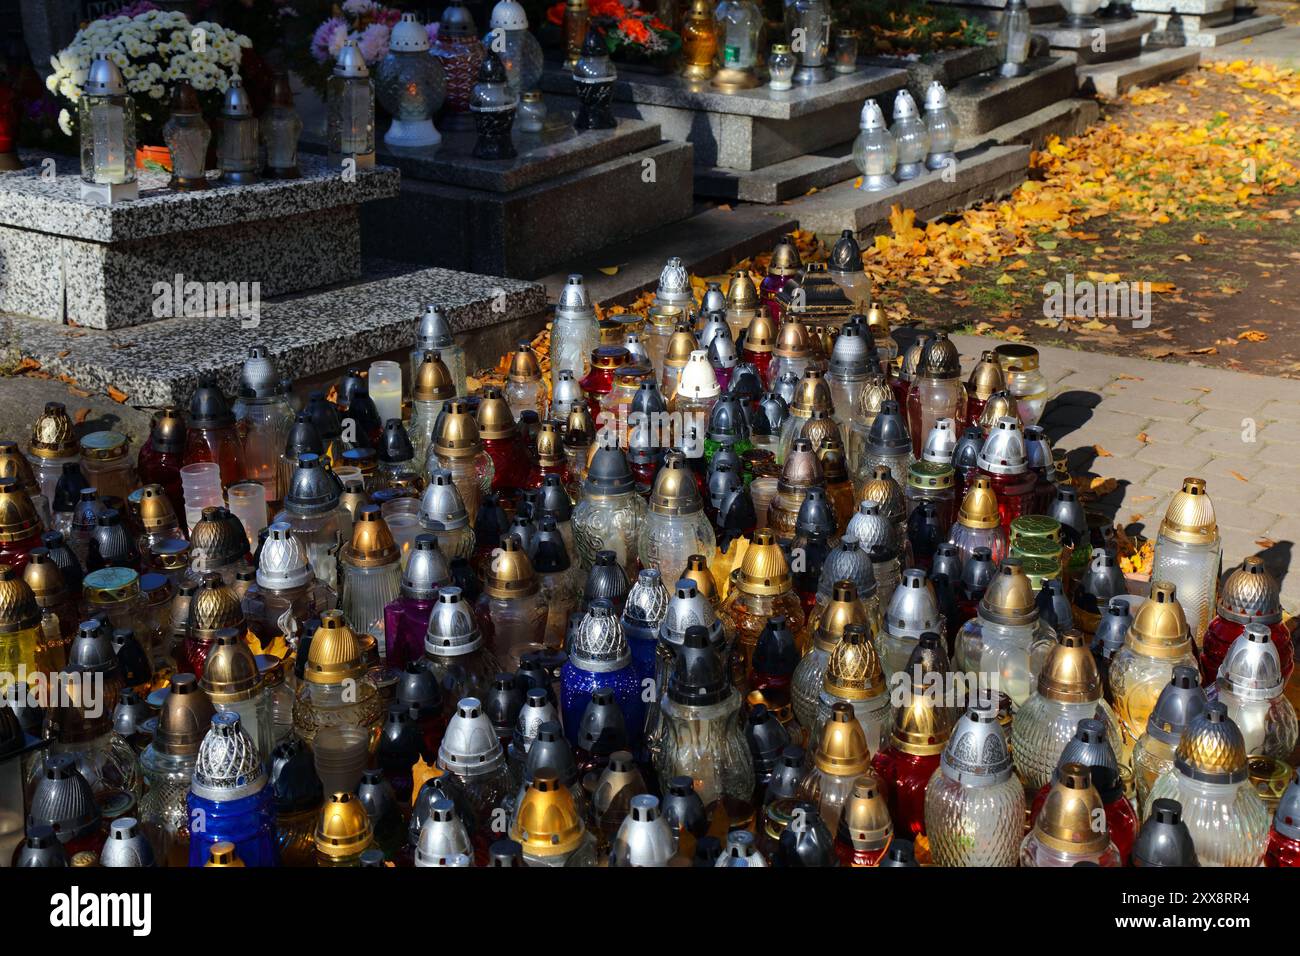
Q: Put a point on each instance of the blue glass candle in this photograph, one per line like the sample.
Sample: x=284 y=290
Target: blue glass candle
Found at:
x=647 y=603
x=229 y=800
x=600 y=658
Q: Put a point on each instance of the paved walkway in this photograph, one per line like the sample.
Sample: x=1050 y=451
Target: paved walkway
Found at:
x=1161 y=422
x=1280 y=47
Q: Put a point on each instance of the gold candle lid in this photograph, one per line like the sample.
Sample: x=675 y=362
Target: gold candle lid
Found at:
x=843 y=611
x=793 y=341
x=882 y=488
x=335 y=654
x=1190 y=516
x=866 y=816
x=104 y=446
x=53 y=435
x=14 y=464
x=680 y=347
x=1009 y=598
x=45 y=579
x=842 y=750
x=986 y=377
x=495 y=420
x=763 y=570
x=550 y=446
x=811 y=394
x=1159 y=627
x=110 y=586
x=666 y=318
x=697 y=570
x=1068 y=822
x=372 y=544
x=458 y=437
x=223 y=854
x=979 y=507
x=548 y=823
x=1000 y=405
x=761 y=334
x=186 y=716
x=785 y=258
x=742 y=294
x=433 y=381
x=18 y=520
x=230 y=673
x=156 y=511
x=675 y=491
x=802 y=469
x=1069 y=674
x=18 y=608
x=510 y=573
x=1014 y=357
x=344 y=827
x=524 y=366
x=921 y=726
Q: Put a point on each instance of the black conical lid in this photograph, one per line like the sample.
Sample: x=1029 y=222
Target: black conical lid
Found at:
x=888 y=435
x=463 y=577
x=303 y=438
x=492 y=70
x=377 y=796
x=698 y=677
x=776 y=651
x=418 y=688
x=603 y=729
x=977 y=573
x=1164 y=839
x=65 y=558
x=807 y=841
x=293 y=777
x=606 y=580
x=445 y=786
x=682 y=807
x=1090 y=747
x=505 y=853
x=67 y=490
x=1053 y=606
x=552 y=499
x=503 y=701
x=924 y=533
x=767 y=739
x=324 y=417
x=549 y=555
x=550 y=750
x=968 y=447
x=707 y=850
x=846 y=254
x=727 y=421
x=208 y=407
x=132 y=661
x=786 y=775
x=532 y=675
x=400 y=739
x=947 y=561
x=737 y=515
x=945 y=596
x=816 y=516
x=609 y=473
x=745 y=384
x=492 y=522
x=900 y=853
x=395 y=447
x=1112 y=628
x=647 y=400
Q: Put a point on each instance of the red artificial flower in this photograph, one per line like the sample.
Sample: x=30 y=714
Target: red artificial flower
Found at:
x=555 y=13
x=634 y=30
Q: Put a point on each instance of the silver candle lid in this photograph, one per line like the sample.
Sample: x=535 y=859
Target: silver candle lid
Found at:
x=228 y=766
x=470 y=747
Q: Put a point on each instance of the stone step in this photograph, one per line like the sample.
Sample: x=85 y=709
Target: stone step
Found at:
x=990 y=11
x=779 y=181
x=310 y=335
x=984 y=173
x=1151 y=66
x=1099 y=40
x=1171 y=32
x=708 y=243
x=1065 y=118
x=989 y=100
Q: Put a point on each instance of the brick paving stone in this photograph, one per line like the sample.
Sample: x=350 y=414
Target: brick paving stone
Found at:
x=1182 y=457
x=1278 y=476
x=1281 y=411
x=1278 y=453
x=1231 y=514
x=1227 y=445
x=1278 y=501
x=1121 y=451
x=1243 y=400
x=1220 y=419
x=1088 y=381
x=1169 y=431
x=1142 y=405
x=1226 y=468
x=1282 y=432
x=1220 y=487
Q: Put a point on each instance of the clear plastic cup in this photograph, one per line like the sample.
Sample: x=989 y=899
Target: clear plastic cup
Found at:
x=385 y=383
x=248 y=504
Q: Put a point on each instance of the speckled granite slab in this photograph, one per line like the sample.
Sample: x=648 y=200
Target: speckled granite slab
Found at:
x=557 y=150
x=748 y=129
x=162 y=361
x=988 y=100
x=97 y=266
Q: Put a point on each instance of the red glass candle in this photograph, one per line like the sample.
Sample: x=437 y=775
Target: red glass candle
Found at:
x=598 y=384
x=1121 y=821
x=219 y=444
x=501 y=440
x=1282 y=851
x=1249 y=595
x=162 y=455
x=903 y=778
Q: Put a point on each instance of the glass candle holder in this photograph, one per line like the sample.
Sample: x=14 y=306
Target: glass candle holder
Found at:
x=280 y=128
x=350 y=109
x=187 y=137
x=875 y=152
x=846 y=51
x=410 y=85
x=106 y=124
x=781 y=64
x=237 y=146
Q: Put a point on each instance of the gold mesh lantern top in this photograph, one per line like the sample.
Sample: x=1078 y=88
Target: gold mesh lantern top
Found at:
x=1009 y=598
x=372 y=544
x=842 y=750
x=979 y=507
x=18 y=608
x=742 y=294
x=495 y=420
x=230 y=673
x=550 y=446
x=785 y=258
x=922 y=725
x=433 y=381
x=793 y=341
x=53 y=435
x=214 y=607
x=344 y=828
x=844 y=609
x=18 y=519
x=45 y=579
x=156 y=511
x=1000 y=405
x=853 y=671
x=1212 y=748
x=1068 y=821
x=14 y=464
x=986 y=377
x=1069 y=674
x=1190 y=516
x=697 y=570
x=874 y=393
x=675 y=491
x=811 y=394
x=524 y=366
x=761 y=334
x=336 y=654
x=548 y=823
x=510 y=573
x=882 y=488
x=763 y=570
x=818 y=429
x=458 y=437
x=1159 y=627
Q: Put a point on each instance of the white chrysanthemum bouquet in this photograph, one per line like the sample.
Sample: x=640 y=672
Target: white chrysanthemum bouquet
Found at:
x=154 y=50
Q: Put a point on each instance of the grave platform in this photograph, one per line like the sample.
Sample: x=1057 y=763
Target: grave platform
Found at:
x=568 y=192
x=1101 y=41
x=988 y=100
x=1178 y=30
x=63 y=260
x=1147 y=68
x=314 y=334
x=990 y=11
x=748 y=129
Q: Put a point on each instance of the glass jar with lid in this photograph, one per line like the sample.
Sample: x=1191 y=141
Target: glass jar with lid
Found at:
x=1024 y=380
x=106 y=465
x=114 y=592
